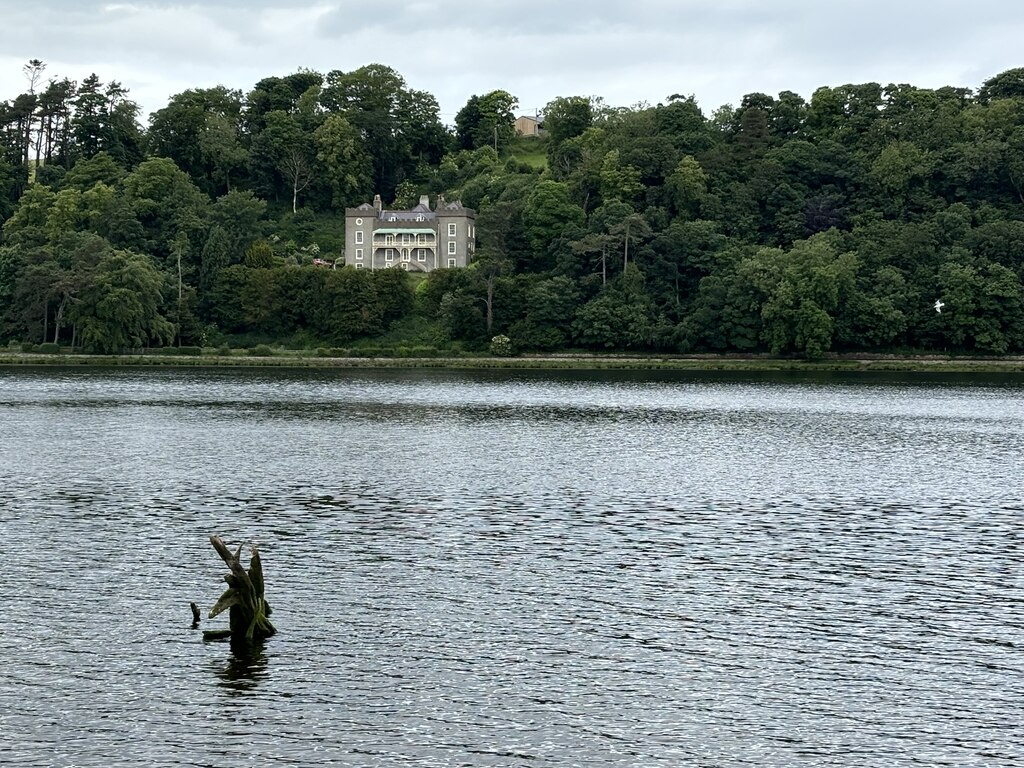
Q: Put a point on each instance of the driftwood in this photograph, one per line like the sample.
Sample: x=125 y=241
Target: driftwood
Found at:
x=248 y=611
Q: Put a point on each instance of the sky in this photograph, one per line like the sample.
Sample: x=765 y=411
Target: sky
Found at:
x=628 y=53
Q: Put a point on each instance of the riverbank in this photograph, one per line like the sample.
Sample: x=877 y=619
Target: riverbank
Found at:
x=932 y=363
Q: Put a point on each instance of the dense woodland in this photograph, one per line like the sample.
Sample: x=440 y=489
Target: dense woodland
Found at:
x=779 y=225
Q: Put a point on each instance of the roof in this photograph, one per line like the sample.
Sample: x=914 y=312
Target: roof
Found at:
x=403 y=231
x=413 y=215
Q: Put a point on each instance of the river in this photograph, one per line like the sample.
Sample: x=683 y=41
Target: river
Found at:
x=514 y=568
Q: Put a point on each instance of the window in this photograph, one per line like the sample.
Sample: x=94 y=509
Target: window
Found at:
x=359 y=254
x=419 y=218
x=406 y=239
x=389 y=239
x=421 y=254
x=359 y=237
x=389 y=254
x=451 y=247
x=451 y=262
x=405 y=256
x=421 y=239
x=359 y=266
x=392 y=218
x=359 y=222
x=451 y=229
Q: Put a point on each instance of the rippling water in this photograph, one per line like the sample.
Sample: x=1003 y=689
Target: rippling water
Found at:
x=483 y=569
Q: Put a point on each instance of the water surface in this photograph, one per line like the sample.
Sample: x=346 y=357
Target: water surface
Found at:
x=514 y=569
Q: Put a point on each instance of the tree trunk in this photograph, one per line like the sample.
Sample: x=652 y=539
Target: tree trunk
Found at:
x=490 y=304
x=248 y=610
x=625 y=250
x=177 y=329
x=59 y=317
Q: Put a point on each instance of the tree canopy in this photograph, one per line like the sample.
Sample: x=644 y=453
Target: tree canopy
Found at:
x=783 y=224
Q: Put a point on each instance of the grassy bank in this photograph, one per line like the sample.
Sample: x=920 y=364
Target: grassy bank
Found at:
x=286 y=359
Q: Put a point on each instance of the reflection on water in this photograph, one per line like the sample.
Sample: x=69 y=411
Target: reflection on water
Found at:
x=481 y=569
x=245 y=667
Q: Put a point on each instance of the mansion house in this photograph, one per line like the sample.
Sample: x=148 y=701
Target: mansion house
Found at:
x=419 y=240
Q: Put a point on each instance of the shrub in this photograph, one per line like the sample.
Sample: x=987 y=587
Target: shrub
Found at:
x=501 y=346
x=261 y=350
x=27 y=346
x=424 y=352
x=259 y=255
x=224 y=350
x=49 y=348
x=194 y=351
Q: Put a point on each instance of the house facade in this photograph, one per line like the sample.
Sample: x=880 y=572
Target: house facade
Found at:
x=528 y=126
x=416 y=240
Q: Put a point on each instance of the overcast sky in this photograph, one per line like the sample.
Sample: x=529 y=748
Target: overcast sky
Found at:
x=625 y=52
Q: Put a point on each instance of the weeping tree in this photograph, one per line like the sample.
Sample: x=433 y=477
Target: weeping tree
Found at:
x=248 y=610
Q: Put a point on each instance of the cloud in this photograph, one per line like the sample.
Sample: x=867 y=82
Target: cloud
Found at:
x=626 y=52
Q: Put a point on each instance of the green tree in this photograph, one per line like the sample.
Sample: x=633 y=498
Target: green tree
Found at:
x=487 y=120
x=567 y=117
x=199 y=130
x=620 y=317
x=241 y=217
x=984 y=309
x=121 y=310
x=401 y=127
x=165 y=202
x=548 y=211
x=346 y=163
x=1005 y=85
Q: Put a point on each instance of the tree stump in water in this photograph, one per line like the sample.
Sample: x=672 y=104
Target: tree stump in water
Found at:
x=248 y=610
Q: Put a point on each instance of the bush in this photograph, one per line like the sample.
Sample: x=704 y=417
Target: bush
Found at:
x=261 y=350
x=224 y=350
x=194 y=351
x=259 y=255
x=501 y=346
x=27 y=346
x=48 y=348
x=424 y=352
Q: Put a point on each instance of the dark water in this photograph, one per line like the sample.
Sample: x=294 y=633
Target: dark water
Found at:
x=474 y=569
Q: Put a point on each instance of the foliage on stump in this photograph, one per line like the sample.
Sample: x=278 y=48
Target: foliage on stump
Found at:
x=249 y=616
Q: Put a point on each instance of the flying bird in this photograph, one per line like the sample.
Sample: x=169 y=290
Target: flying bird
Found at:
x=939 y=304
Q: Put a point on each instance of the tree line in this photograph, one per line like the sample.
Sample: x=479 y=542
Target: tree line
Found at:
x=780 y=225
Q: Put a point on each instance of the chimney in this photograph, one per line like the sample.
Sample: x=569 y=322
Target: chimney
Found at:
x=378 y=206
x=440 y=202
x=425 y=201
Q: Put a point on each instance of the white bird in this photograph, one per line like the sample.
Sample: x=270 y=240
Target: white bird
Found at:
x=939 y=304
